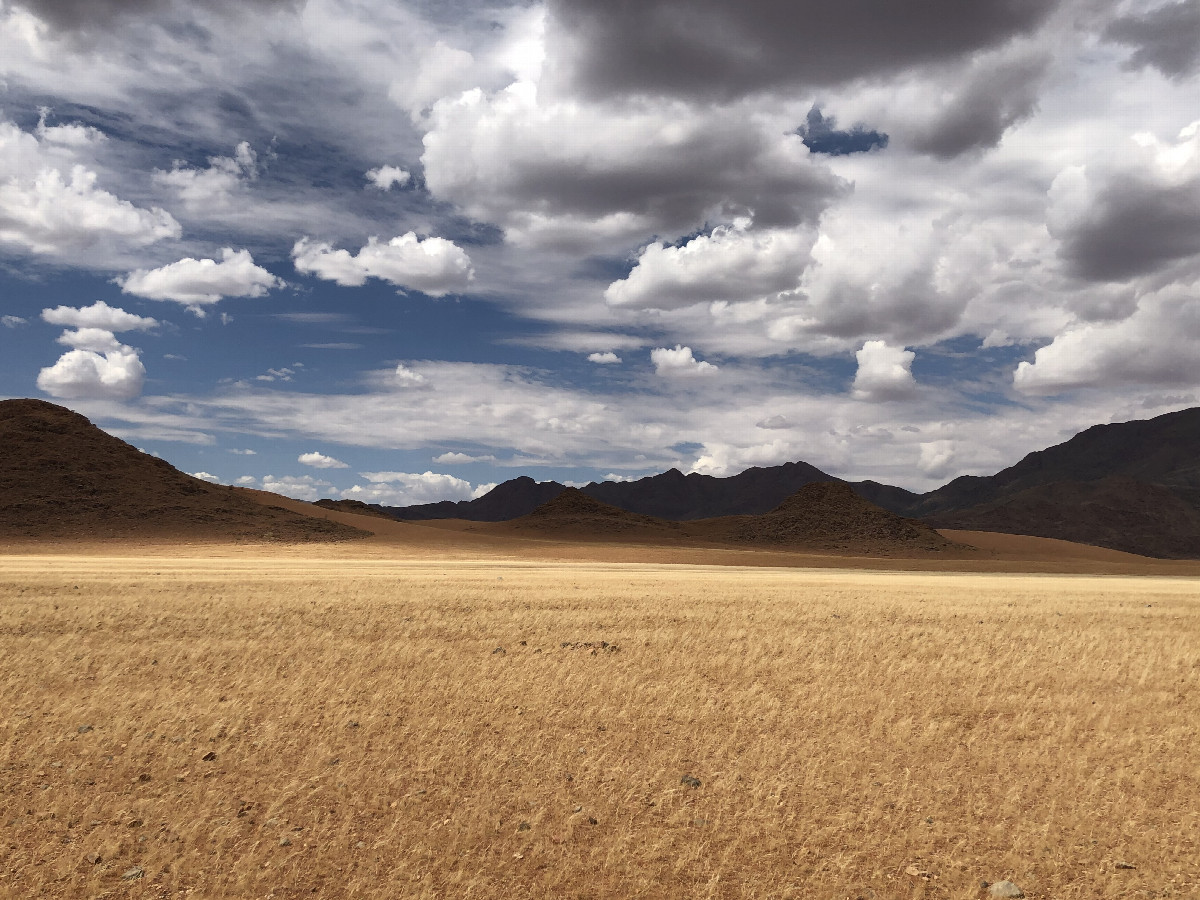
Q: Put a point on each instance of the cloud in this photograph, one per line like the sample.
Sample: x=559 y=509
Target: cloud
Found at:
x=1115 y=221
x=993 y=94
x=937 y=458
x=387 y=177
x=433 y=265
x=202 y=282
x=13 y=321
x=821 y=135
x=116 y=374
x=679 y=363
x=884 y=372
x=298 y=487
x=1158 y=345
x=206 y=476
x=1167 y=38
x=406 y=377
x=607 y=358
x=774 y=422
x=733 y=264
x=98 y=315
x=407 y=488
x=97 y=340
x=560 y=174
x=712 y=49
x=237 y=452
x=50 y=215
x=462 y=458
x=321 y=461
x=214 y=187
x=82 y=15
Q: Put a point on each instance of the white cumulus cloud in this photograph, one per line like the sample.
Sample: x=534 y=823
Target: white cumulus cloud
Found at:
x=202 y=282
x=679 y=363
x=116 y=374
x=884 y=372
x=215 y=185
x=298 y=487
x=407 y=488
x=733 y=264
x=98 y=315
x=607 y=358
x=321 y=461
x=387 y=177
x=432 y=265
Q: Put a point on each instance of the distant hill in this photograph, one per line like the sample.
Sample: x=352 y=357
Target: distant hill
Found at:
x=1132 y=486
x=831 y=515
x=574 y=514
x=62 y=477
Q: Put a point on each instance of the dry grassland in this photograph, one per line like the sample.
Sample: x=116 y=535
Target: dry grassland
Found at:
x=270 y=727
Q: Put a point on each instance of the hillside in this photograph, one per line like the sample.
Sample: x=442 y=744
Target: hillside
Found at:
x=62 y=477
x=830 y=515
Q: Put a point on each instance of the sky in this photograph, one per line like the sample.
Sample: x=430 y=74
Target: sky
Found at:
x=401 y=250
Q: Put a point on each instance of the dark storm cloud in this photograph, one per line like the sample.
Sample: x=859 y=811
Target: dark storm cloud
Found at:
x=1167 y=38
x=821 y=135
x=995 y=95
x=82 y=15
x=714 y=48
x=1133 y=227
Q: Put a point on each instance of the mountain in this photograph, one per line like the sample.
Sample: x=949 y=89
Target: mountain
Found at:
x=671 y=495
x=513 y=498
x=1132 y=486
x=1164 y=450
x=62 y=477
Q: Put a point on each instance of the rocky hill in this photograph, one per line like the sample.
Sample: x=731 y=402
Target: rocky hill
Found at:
x=62 y=477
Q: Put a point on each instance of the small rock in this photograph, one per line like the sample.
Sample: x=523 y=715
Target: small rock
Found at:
x=360 y=845
x=918 y=872
x=84 y=729
x=593 y=821
x=1125 y=865
x=93 y=858
x=134 y=874
x=579 y=809
x=524 y=826
x=499 y=651
x=144 y=777
x=353 y=724
x=336 y=761
x=209 y=756
x=136 y=823
x=1006 y=889
x=690 y=780
x=285 y=842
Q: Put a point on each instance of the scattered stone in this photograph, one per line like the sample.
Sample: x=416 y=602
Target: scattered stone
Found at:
x=1006 y=889
x=524 y=826
x=136 y=823
x=918 y=872
x=93 y=858
x=285 y=842
x=144 y=777
x=690 y=780
x=360 y=845
x=353 y=723
x=499 y=651
x=209 y=756
x=929 y=820
x=593 y=821
x=336 y=761
x=1125 y=865
x=84 y=729
x=579 y=809
x=134 y=874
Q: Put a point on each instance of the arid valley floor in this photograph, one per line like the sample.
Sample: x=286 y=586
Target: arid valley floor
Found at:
x=358 y=720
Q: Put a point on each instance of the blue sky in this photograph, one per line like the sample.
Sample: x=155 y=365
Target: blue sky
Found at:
x=400 y=251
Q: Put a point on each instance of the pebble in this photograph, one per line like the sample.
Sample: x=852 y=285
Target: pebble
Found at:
x=84 y=729
x=133 y=874
x=690 y=780
x=499 y=651
x=1006 y=889
x=1125 y=865
x=93 y=858
x=209 y=756
x=285 y=842
x=524 y=826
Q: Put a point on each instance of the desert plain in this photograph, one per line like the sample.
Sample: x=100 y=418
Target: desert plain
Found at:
x=402 y=719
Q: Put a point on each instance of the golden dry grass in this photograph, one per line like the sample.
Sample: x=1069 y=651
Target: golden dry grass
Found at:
x=368 y=739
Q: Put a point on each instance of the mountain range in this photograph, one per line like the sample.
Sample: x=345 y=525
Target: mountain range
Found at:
x=1132 y=486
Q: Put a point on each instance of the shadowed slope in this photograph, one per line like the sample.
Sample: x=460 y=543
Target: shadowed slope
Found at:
x=576 y=514
x=830 y=515
x=61 y=476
